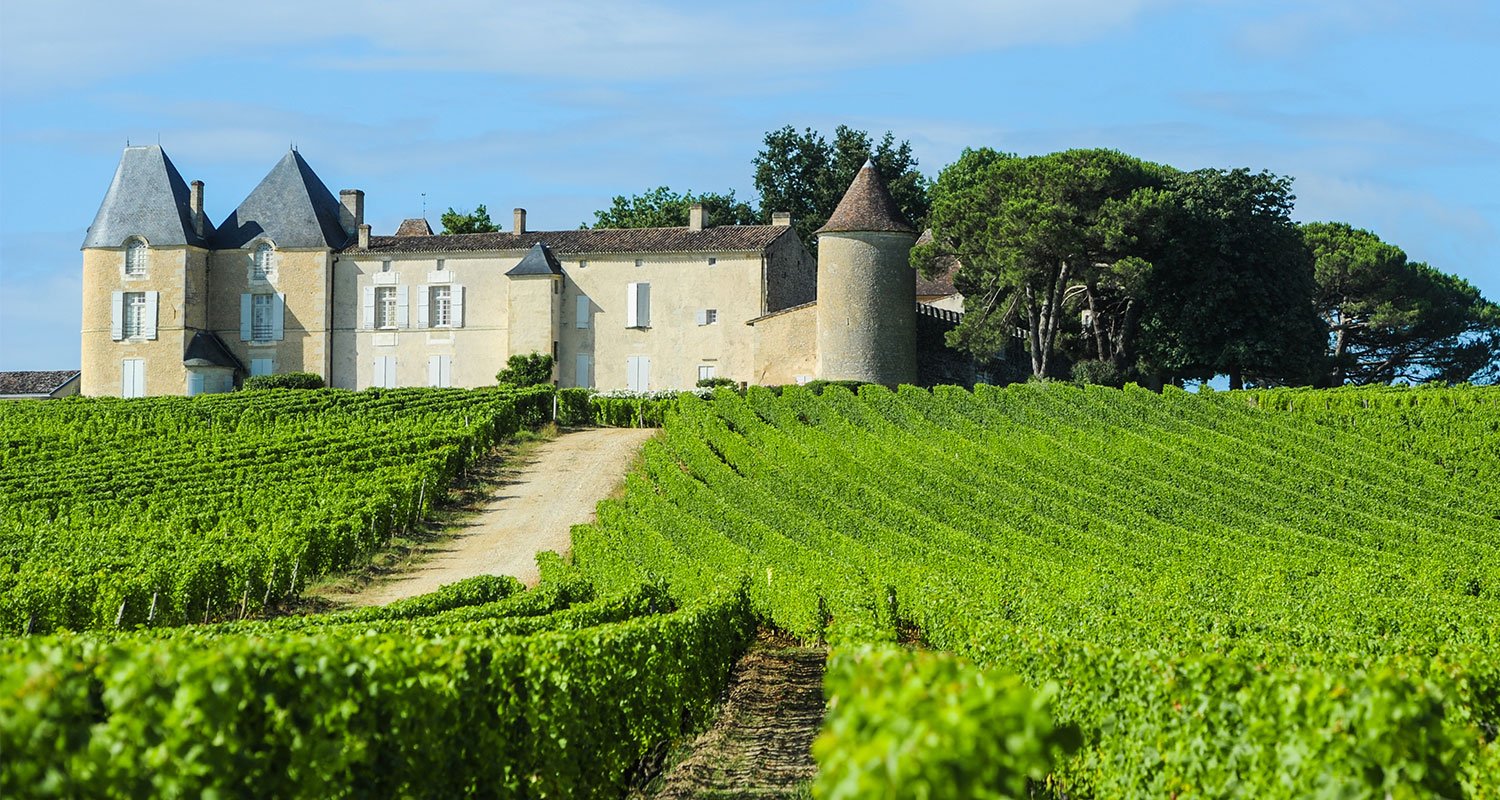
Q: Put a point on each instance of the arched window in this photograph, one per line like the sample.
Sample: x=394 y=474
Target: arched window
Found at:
x=261 y=266
x=135 y=257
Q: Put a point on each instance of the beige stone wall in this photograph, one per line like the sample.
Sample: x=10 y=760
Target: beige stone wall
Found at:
x=533 y=302
x=786 y=347
x=303 y=276
x=951 y=302
x=791 y=274
x=682 y=284
x=175 y=274
x=476 y=350
x=866 y=308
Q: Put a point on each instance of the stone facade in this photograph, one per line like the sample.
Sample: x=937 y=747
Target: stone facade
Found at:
x=293 y=281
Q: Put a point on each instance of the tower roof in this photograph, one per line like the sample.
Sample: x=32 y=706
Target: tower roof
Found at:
x=148 y=198
x=537 y=261
x=867 y=206
x=292 y=207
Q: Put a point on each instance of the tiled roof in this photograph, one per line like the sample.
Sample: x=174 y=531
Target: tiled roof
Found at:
x=147 y=198
x=723 y=238
x=942 y=284
x=415 y=226
x=867 y=206
x=207 y=349
x=35 y=382
x=537 y=261
x=291 y=206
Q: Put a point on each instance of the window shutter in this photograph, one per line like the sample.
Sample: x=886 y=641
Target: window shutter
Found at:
x=403 y=309
x=278 y=317
x=582 y=367
x=245 y=334
x=583 y=312
x=456 y=306
x=378 y=379
x=422 y=301
x=195 y=383
x=702 y=316
x=369 y=311
x=638 y=305
x=434 y=371
x=127 y=377
x=148 y=327
x=117 y=315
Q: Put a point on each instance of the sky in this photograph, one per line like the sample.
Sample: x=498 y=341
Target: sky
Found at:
x=1386 y=113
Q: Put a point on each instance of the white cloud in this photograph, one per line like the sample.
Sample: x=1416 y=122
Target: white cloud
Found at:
x=74 y=42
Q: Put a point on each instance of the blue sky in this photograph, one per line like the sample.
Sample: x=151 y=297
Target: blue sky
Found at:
x=1386 y=113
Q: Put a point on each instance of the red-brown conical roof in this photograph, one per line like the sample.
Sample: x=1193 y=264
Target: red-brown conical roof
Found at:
x=867 y=206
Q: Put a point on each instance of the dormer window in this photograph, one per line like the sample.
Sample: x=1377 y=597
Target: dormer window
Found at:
x=135 y=257
x=262 y=265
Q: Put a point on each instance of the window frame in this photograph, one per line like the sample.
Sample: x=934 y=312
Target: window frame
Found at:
x=135 y=257
x=133 y=315
x=386 y=311
x=439 y=305
x=263 y=262
x=262 y=317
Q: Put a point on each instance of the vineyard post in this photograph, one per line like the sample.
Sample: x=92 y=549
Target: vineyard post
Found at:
x=421 y=497
x=245 y=601
x=120 y=615
x=270 y=581
x=295 y=564
x=151 y=615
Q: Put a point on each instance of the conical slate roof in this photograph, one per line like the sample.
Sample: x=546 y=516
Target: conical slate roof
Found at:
x=537 y=261
x=148 y=198
x=867 y=206
x=292 y=207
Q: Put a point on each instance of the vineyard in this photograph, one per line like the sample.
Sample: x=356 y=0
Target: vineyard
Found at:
x=175 y=509
x=1038 y=591
x=1282 y=594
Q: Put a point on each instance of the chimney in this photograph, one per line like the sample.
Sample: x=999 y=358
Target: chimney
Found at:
x=195 y=204
x=695 y=217
x=364 y=237
x=781 y=219
x=354 y=201
x=518 y=225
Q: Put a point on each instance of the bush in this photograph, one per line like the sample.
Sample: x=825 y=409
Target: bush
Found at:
x=532 y=369
x=289 y=380
x=919 y=724
x=713 y=383
x=1098 y=373
x=574 y=407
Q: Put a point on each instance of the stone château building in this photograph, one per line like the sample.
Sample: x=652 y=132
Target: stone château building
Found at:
x=294 y=281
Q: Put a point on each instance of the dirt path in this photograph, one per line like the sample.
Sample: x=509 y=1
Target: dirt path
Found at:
x=761 y=745
x=553 y=489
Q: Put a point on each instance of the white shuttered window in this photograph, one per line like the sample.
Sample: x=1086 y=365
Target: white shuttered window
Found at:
x=638 y=305
x=133 y=377
x=583 y=370
x=440 y=371
x=584 y=307
x=385 y=306
x=384 y=372
x=638 y=373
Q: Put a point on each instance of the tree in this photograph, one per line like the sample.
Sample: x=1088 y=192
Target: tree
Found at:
x=1389 y=318
x=803 y=173
x=465 y=222
x=531 y=369
x=663 y=208
x=1230 y=288
x=1037 y=235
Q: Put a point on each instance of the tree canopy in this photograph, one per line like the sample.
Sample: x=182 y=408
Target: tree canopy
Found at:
x=1389 y=318
x=806 y=174
x=476 y=221
x=526 y=369
x=663 y=208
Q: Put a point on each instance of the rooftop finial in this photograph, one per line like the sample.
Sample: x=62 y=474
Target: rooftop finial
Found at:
x=869 y=164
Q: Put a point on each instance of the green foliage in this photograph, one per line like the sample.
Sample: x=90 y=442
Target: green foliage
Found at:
x=476 y=221
x=526 y=369
x=716 y=382
x=926 y=725
x=663 y=208
x=1390 y=319
x=1271 y=594
x=806 y=175
x=470 y=709
x=288 y=380
x=1098 y=373
x=159 y=511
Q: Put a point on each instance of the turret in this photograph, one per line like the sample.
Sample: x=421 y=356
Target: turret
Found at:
x=866 y=291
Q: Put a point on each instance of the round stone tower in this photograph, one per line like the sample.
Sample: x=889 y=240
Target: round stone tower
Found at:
x=866 y=288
